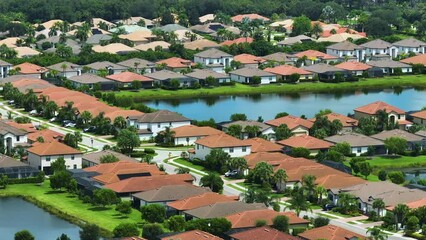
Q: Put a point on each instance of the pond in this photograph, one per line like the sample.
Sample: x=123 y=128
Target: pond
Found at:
x=268 y=105
x=17 y=214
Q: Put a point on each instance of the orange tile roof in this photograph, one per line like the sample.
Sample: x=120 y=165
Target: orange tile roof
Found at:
x=47 y=135
x=339 y=181
x=420 y=114
x=251 y=16
x=200 y=201
x=305 y=141
x=372 y=108
x=192 y=235
x=327 y=33
x=194 y=131
x=128 y=77
x=237 y=41
x=141 y=184
x=29 y=68
x=292 y=122
x=248 y=59
x=104 y=168
x=419 y=59
x=263 y=145
x=262 y=233
x=221 y=140
x=345 y=120
x=52 y=148
x=113 y=177
x=28 y=127
x=314 y=54
x=329 y=232
x=248 y=218
x=269 y=157
x=287 y=70
x=412 y=205
x=176 y=62
x=353 y=66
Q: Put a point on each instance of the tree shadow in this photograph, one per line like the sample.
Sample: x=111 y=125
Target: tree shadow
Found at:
x=71 y=196
x=121 y=217
x=54 y=192
x=98 y=208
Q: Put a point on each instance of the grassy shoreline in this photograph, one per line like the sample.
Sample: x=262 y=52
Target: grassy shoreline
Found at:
x=417 y=81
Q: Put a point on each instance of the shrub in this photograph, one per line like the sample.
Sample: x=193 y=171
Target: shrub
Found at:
x=382 y=175
x=126 y=230
x=396 y=177
x=297 y=231
x=149 y=151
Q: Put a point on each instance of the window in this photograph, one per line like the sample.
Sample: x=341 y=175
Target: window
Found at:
x=399 y=116
x=18 y=138
x=244 y=149
x=198 y=147
x=359 y=150
x=231 y=150
x=75 y=166
x=159 y=125
x=72 y=157
x=187 y=140
x=48 y=159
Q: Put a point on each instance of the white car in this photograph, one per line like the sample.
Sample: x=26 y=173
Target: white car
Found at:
x=231 y=173
x=70 y=124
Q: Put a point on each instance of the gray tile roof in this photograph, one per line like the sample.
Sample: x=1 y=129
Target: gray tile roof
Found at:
x=250 y=72
x=410 y=137
x=105 y=65
x=280 y=57
x=204 y=73
x=71 y=67
x=354 y=139
x=421 y=133
x=387 y=63
x=97 y=38
x=4 y=63
x=212 y=53
x=165 y=75
x=376 y=44
x=322 y=68
x=95 y=157
x=130 y=63
x=171 y=193
x=344 y=46
x=172 y=27
x=6 y=128
x=159 y=117
x=6 y=162
x=243 y=124
x=88 y=78
x=409 y=42
x=296 y=39
x=223 y=209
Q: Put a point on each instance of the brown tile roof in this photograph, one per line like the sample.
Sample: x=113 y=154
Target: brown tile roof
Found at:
x=410 y=137
x=70 y=67
x=104 y=168
x=27 y=127
x=95 y=157
x=344 y=46
x=88 y=78
x=202 y=74
x=419 y=59
x=420 y=114
x=250 y=72
x=245 y=58
x=160 y=116
x=29 y=68
x=251 y=16
x=330 y=232
x=176 y=62
x=192 y=235
x=345 y=120
x=194 y=131
x=247 y=219
x=354 y=139
x=171 y=193
x=292 y=122
x=52 y=148
x=237 y=41
x=221 y=140
x=262 y=126
x=279 y=57
x=128 y=77
x=223 y=209
x=140 y=184
x=287 y=70
x=322 y=68
x=305 y=141
x=372 y=108
x=314 y=54
x=47 y=135
x=141 y=63
x=353 y=66
x=269 y=157
x=200 y=201
x=262 y=233
x=212 y=53
x=409 y=42
x=377 y=44
x=387 y=63
x=6 y=161
x=263 y=145
x=200 y=44
x=116 y=176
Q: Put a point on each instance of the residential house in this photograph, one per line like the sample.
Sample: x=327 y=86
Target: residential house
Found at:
x=172 y=27
x=406 y=46
x=204 y=199
x=140 y=36
x=348 y=123
x=355 y=68
x=92 y=81
x=26 y=52
x=389 y=66
x=189 y=235
x=264 y=129
x=164 y=77
x=200 y=44
x=231 y=145
x=109 y=67
x=126 y=79
x=262 y=145
x=376 y=47
x=249 y=60
x=214 y=59
x=43 y=154
x=208 y=28
x=114 y=48
x=346 y=51
x=341 y=37
x=237 y=41
x=261 y=233
x=176 y=64
x=150 y=124
x=245 y=75
x=418 y=59
x=395 y=114
x=156 y=45
x=360 y=144
x=314 y=145
x=188 y=134
x=281 y=58
x=202 y=74
x=66 y=69
x=290 y=41
x=419 y=117
x=4 y=69
x=221 y=209
x=310 y=57
x=207 y=18
x=272 y=158
x=412 y=139
x=297 y=125
x=138 y=65
x=127 y=187
x=330 y=232
x=12 y=136
x=166 y=194
x=135 y=20
x=46 y=134
x=30 y=70
x=325 y=71
x=284 y=72
x=249 y=17
x=98 y=39
x=94 y=158
x=99 y=21
x=13 y=168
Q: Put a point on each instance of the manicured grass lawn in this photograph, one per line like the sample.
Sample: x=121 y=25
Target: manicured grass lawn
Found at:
x=376 y=83
x=105 y=218
x=400 y=162
x=327 y=216
x=189 y=164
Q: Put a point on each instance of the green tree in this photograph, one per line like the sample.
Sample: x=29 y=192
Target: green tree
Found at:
x=308 y=184
x=166 y=137
x=395 y=145
x=126 y=230
x=72 y=139
x=365 y=169
x=320 y=221
x=63 y=237
x=412 y=225
x=235 y=130
x=120 y=122
x=400 y=211
x=136 y=84
x=216 y=160
x=301 y=25
x=346 y=203
x=105 y=197
x=376 y=233
x=280 y=179
x=383 y=175
x=215 y=226
x=4 y=180
x=24 y=235
x=344 y=148
x=238 y=117
x=281 y=223
x=252 y=131
x=281 y=114
x=213 y=181
x=300 y=152
x=298 y=202
x=335 y=156
x=152 y=230
x=294 y=78
x=396 y=177
x=176 y=223
x=153 y=213
x=256 y=80
x=211 y=81
x=109 y=158
x=127 y=140
x=60 y=179
x=124 y=207
x=261 y=174
x=237 y=163
x=282 y=132
x=379 y=205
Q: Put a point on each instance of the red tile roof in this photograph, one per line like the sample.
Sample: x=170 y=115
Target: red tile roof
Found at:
x=314 y=54
x=194 y=131
x=353 y=66
x=221 y=140
x=419 y=59
x=420 y=114
x=329 y=232
x=52 y=148
x=128 y=77
x=269 y=157
x=47 y=135
x=192 y=235
x=201 y=201
x=372 y=108
x=28 y=127
x=292 y=122
x=176 y=62
x=248 y=219
x=248 y=59
x=262 y=233
x=345 y=120
x=305 y=141
x=237 y=41
x=115 y=166
x=252 y=16
x=327 y=33
x=29 y=68
x=287 y=70
x=263 y=145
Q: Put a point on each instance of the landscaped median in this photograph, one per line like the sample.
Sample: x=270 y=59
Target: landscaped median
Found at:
x=376 y=83
x=69 y=207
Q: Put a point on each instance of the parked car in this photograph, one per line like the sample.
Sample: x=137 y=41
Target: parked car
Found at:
x=33 y=112
x=54 y=119
x=232 y=173
x=328 y=207
x=89 y=129
x=68 y=123
x=11 y=102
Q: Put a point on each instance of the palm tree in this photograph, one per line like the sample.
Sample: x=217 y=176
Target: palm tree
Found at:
x=168 y=135
x=50 y=109
x=120 y=122
x=280 y=178
x=182 y=170
x=376 y=233
x=320 y=191
x=53 y=32
x=213 y=181
x=85 y=117
x=345 y=201
x=64 y=67
x=245 y=28
x=316 y=30
x=308 y=183
x=237 y=163
x=400 y=212
x=379 y=205
x=136 y=65
x=298 y=203
x=82 y=32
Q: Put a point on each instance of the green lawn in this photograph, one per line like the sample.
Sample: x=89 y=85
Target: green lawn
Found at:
x=189 y=164
x=376 y=83
x=69 y=204
x=327 y=216
x=397 y=163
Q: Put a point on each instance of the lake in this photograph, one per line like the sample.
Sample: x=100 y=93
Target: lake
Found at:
x=268 y=105
x=17 y=214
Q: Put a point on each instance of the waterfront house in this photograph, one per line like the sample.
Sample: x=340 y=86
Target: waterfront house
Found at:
x=264 y=129
x=355 y=68
x=138 y=65
x=164 y=77
x=314 y=145
x=109 y=67
x=360 y=144
x=281 y=58
x=419 y=117
x=200 y=200
x=347 y=122
x=246 y=75
x=189 y=235
x=249 y=60
x=262 y=145
x=297 y=125
x=126 y=79
x=4 y=69
x=91 y=80
x=221 y=209
x=311 y=57
x=188 y=134
x=201 y=75
x=214 y=59
x=395 y=114
x=346 y=51
x=43 y=154
x=176 y=64
x=389 y=66
x=326 y=71
x=330 y=232
x=374 y=48
x=12 y=135
x=406 y=46
x=150 y=124
x=14 y=168
x=283 y=72
x=94 y=158
x=231 y=145
x=261 y=233
x=30 y=70
x=411 y=138
x=66 y=69
x=418 y=59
